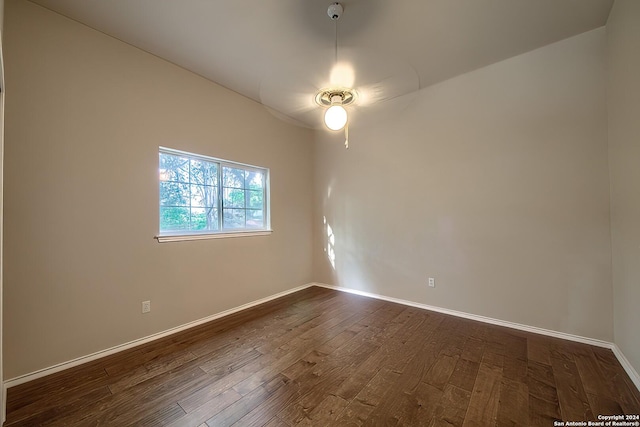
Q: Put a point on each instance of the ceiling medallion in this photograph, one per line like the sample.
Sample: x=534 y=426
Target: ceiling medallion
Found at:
x=324 y=97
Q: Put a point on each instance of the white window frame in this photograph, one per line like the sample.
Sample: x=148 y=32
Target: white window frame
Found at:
x=182 y=235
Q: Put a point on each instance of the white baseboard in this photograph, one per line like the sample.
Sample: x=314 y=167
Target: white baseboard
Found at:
x=109 y=351
x=633 y=374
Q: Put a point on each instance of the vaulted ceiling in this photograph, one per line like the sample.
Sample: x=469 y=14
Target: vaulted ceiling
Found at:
x=237 y=42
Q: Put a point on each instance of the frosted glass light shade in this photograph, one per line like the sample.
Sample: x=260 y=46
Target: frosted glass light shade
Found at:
x=335 y=117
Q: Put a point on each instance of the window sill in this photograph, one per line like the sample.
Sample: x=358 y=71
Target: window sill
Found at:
x=186 y=237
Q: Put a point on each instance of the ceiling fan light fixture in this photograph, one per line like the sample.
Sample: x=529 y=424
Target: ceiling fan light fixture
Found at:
x=332 y=90
x=335 y=117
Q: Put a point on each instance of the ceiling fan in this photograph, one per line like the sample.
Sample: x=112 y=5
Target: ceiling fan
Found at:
x=329 y=89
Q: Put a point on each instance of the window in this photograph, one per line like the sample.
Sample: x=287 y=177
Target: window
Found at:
x=202 y=197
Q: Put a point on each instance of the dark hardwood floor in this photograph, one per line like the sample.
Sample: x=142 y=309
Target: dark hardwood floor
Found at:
x=325 y=358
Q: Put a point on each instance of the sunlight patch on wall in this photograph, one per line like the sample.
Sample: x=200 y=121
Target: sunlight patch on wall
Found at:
x=331 y=254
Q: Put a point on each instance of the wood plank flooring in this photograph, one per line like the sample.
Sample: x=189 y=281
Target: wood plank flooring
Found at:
x=325 y=358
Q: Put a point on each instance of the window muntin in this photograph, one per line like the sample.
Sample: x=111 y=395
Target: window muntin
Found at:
x=202 y=195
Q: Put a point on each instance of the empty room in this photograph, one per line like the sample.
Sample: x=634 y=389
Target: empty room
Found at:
x=300 y=212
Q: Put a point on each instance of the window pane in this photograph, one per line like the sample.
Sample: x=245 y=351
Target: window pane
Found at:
x=254 y=180
x=255 y=218
x=174 y=194
x=204 y=196
x=198 y=219
x=233 y=198
x=255 y=199
x=212 y=218
x=205 y=173
x=174 y=168
x=232 y=177
x=233 y=218
x=204 y=219
x=172 y=219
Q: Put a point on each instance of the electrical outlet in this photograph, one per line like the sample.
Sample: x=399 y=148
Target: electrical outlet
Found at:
x=146 y=306
x=432 y=282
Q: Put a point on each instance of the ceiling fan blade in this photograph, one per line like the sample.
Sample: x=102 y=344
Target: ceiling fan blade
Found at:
x=379 y=111
x=380 y=76
x=289 y=87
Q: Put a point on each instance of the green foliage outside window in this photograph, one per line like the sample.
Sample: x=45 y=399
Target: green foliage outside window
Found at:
x=194 y=191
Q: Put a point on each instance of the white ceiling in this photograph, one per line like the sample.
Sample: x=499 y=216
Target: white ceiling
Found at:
x=237 y=42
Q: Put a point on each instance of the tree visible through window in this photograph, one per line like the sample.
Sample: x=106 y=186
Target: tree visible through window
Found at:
x=202 y=195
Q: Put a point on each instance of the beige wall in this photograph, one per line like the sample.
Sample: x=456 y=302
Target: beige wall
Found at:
x=85 y=115
x=494 y=182
x=623 y=31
